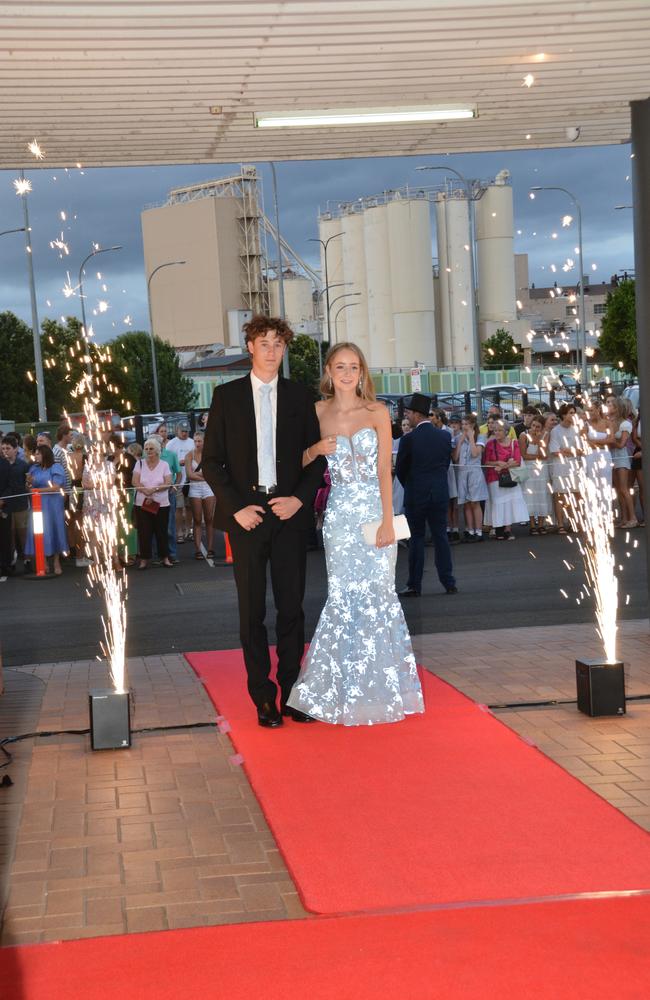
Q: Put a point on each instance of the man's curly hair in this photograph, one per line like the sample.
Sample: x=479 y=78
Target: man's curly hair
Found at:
x=259 y=325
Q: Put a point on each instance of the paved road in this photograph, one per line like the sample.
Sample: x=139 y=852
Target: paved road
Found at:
x=193 y=606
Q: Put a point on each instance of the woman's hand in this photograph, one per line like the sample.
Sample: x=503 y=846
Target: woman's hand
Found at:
x=326 y=446
x=385 y=534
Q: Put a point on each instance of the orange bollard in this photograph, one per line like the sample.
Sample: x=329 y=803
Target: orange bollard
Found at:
x=228 y=549
x=37 y=524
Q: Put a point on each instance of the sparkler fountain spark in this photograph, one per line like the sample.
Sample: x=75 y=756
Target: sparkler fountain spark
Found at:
x=600 y=683
x=104 y=525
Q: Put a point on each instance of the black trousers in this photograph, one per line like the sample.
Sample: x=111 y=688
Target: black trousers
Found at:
x=273 y=543
x=150 y=525
x=6 y=543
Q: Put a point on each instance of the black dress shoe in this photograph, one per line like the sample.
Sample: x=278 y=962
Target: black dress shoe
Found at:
x=452 y=590
x=295 y=714
x=268 y=715
x=409 y=592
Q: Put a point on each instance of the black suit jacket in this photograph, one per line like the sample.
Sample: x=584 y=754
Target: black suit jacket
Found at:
x=229 y=461
x=422 y=462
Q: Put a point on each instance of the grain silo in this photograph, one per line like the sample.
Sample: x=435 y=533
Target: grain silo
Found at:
x=298 y=298
x=381 y=332
x=495 y=255
x=409 y=241
x=328 y=226
x=458 y=272
x=354 y=305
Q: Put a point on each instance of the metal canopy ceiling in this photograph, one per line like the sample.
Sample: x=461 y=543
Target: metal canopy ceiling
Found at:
x=122 y=83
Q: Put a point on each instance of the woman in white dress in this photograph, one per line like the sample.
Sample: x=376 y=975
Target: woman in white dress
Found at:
x=566 y=449
x=472 y=488
x=360 y=669
x=622 y=460
x=537 y=488
x=598 y=461
x=202 y=499
x=506 y=505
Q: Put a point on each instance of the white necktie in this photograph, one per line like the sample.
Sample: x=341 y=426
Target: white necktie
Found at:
x=267 y=464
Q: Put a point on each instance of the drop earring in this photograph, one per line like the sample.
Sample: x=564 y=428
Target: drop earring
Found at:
x=331 y=384
x=360 y=386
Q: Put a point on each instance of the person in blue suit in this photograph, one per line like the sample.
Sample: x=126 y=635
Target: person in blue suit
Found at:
x=422 y=462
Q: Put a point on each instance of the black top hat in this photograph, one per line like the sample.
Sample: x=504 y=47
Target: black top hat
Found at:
x=419 y=403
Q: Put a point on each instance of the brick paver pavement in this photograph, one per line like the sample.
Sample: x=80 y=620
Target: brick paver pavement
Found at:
x=510 y=666
x=169 y=834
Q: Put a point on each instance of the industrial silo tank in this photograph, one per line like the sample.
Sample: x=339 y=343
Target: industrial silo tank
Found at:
x=328 y=228
x=381 y=331
x=495 y=254
x=298 y=298
x=355 y=291
x=409 y=241
x=459 y=279
x=443 y=317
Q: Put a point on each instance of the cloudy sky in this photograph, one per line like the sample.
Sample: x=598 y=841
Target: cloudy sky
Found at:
x=103 y=206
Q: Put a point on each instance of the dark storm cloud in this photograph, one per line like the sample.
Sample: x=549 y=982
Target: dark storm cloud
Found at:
x=104 y=206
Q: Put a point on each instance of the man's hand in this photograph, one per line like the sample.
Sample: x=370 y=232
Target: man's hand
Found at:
x=249 y=517
x=285 y=507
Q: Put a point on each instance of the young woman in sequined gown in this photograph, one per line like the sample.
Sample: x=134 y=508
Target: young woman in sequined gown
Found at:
x=360 y=669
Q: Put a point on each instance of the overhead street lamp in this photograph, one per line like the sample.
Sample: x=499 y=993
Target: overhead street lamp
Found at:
x=6 y=231
x=476 y=340
x=325 y=244
x=582 y=320
x=346 y=305
x=154 y=363
x=345 y=295
x=319 y=295
x=36 y=330
x=285 y=357
x=81 y=293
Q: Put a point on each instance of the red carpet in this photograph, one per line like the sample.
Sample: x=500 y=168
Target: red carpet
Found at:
x=596 y=950
x=448 y=806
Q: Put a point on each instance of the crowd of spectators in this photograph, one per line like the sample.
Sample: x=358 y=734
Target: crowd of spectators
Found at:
x=535 y=471
x=164 y=498
x=529 y=473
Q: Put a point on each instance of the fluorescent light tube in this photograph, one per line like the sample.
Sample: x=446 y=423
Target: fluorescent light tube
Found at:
x=367 y=116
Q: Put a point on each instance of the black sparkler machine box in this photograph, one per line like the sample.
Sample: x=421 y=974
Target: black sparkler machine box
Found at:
x=601 y=687
x=110 y=719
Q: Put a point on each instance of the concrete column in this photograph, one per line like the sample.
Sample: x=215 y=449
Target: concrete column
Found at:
x=641 y=203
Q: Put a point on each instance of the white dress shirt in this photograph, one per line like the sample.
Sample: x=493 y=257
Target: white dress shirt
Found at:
x=256 y=383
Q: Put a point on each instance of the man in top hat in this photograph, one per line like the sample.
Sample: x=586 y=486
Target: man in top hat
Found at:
x=422 y=463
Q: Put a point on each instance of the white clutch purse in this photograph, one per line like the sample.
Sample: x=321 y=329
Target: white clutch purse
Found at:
x=400 y=525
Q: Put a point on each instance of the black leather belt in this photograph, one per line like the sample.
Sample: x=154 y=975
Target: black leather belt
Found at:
x=268 y=490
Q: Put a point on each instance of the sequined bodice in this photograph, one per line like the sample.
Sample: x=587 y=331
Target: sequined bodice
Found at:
x=355 y=458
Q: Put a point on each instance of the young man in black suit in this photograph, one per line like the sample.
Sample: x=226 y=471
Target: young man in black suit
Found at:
x=421 y=467
x=258 y=429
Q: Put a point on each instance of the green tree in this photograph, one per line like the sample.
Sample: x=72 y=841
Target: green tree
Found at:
x=129 y=376
x=17 y=392
x=617 y=341
x=303 y=360
x=63 y=352
x=501 y=350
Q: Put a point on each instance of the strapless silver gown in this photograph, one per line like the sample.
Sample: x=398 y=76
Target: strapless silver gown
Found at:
x=360 y=669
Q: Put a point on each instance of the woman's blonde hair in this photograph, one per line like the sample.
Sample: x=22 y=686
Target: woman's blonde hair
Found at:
x=365 y=387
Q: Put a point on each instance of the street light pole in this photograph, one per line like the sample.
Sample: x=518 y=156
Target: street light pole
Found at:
x=336 y=284
x=285 y=358
x=345 y=295
x=36 y=330
x=154 y=363
x=82 y=300
x=324 y=244
x=475 y=331
x=582 y=320
x=346 y=305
